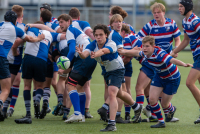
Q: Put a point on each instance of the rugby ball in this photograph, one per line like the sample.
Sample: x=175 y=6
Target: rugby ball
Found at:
x=63 y=62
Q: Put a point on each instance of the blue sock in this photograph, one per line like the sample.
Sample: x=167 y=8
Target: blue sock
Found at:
x=75 y=101
x=15 y=93
x=157 y=111
x=38 y=95
x=27 y=100
x=82 y=97
x=127 y=109
x=140 y=99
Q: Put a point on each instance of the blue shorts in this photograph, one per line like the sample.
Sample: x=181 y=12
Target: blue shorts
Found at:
x=148 y=71
x=4 y=68
x=14 y=69
x=55 y=67
x=84 y=67
x=34 y=68
x=128 y=69
x=196 y=64
x=49 y=72
x=170 y=87
x=114 y=78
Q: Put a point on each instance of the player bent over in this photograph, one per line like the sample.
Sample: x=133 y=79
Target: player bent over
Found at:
x=105 y=52
x=167 y=77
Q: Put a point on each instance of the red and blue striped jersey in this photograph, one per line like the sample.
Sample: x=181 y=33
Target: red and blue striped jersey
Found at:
x=163 y=34
x=192 y=28
x=160 y=61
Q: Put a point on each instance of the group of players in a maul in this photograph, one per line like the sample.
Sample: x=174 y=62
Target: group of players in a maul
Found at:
x=113 y=47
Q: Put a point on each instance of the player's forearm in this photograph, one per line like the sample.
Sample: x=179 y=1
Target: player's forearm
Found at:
x=177 y=41
x=177 y=62
x=14 y=51
x=42 y=27
x=32 y=39
x=90 y=34
x=131 y=53
x=183 y=44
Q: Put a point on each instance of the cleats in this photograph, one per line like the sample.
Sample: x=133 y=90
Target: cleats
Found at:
x=109 y=127
x=150 y=119
x=103 y=113
x=83 y=119
x=146 y=112
x=37 y=109
x=197 y=121
x=74 y=118
x=64 y=116
x=88 y=115
x=57 y=108
x=132 y=120
x=174 y=119
x=119 y=119
x=48 y=110
x=24 y=120
x=137 y=116
x=10 y=112
x=158 y=125
x=44 y=110
x=127 y=116
x=60 y=113
x=170 y=115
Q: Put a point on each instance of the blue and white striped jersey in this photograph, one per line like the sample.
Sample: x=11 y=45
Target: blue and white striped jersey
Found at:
x=192 y=28
x=117 y=38
x=111 y=61
x=54 y=20
x=17 y=59
x=40 y=49
x=52 y=25
x=163 y=34
x=75 y=37
x=81 y=25
x=8 y=35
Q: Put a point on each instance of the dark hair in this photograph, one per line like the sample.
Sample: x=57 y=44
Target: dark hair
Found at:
x=10 y=16
x=38 y=22
x=74 y=12
x=149 y=39
x=102 y=27
x=46 y=6
x=126 y=28
x=118 y=10
x=65 y=17
x=46 y=15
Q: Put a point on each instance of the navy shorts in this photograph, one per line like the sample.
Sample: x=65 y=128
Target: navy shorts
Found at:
x=4 y=68
x=85 y=67
x=170 y=87
x=14 y=69
x=114 y=78
x=196 y=64
x=148 y=71
x=128 y=69
x=75 y=78
x=34 y=68
x=49 y=72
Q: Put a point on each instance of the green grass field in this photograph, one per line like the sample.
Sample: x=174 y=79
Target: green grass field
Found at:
x=187 y=111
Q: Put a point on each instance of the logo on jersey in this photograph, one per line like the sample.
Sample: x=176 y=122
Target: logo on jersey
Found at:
x=188 y=26
x=152 y=82
x=156 y=30
x=162 y=54
x=1 y=42
x=167 y=28
x=195 y=22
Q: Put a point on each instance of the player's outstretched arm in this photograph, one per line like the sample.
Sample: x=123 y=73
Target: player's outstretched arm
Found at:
x=82 y=54
x=130 y=53
x=180 y=63
x=99 y=53
x=183 y=44
x=41 y=26
x=34 y=39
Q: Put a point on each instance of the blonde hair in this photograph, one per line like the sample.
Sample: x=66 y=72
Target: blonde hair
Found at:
x=18 y=10
x=159 y=6
x=116 y=17
x=149 y=39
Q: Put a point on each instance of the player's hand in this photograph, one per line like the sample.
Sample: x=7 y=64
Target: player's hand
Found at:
x=121 y=51
x=79 y=49
x=41 y=37
x=173 y=54
x=61 y=71
x=188 y=65
x=137 y=48
x=92 y=55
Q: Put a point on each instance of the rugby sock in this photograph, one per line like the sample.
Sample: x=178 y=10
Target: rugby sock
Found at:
x=38 y=95
x=166 y=111
x=171 y=107
x=127 y=109
x=82 y=98
x=46 y=94
x=160 y=98
x=148 y=107
x=7 y=102
x=1 y=103
x=118 y=113
x=135 y=106
x=157 y=111
x=106 y=106
x=140 y=99
x=27 y=100
x=86 y=109
x=60 y=98
x=111 y=122
x=15 y=93
x=34 y=91
x=74 y=97
x=66 y=110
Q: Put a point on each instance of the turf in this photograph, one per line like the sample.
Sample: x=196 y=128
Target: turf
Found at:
x=187 y=111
